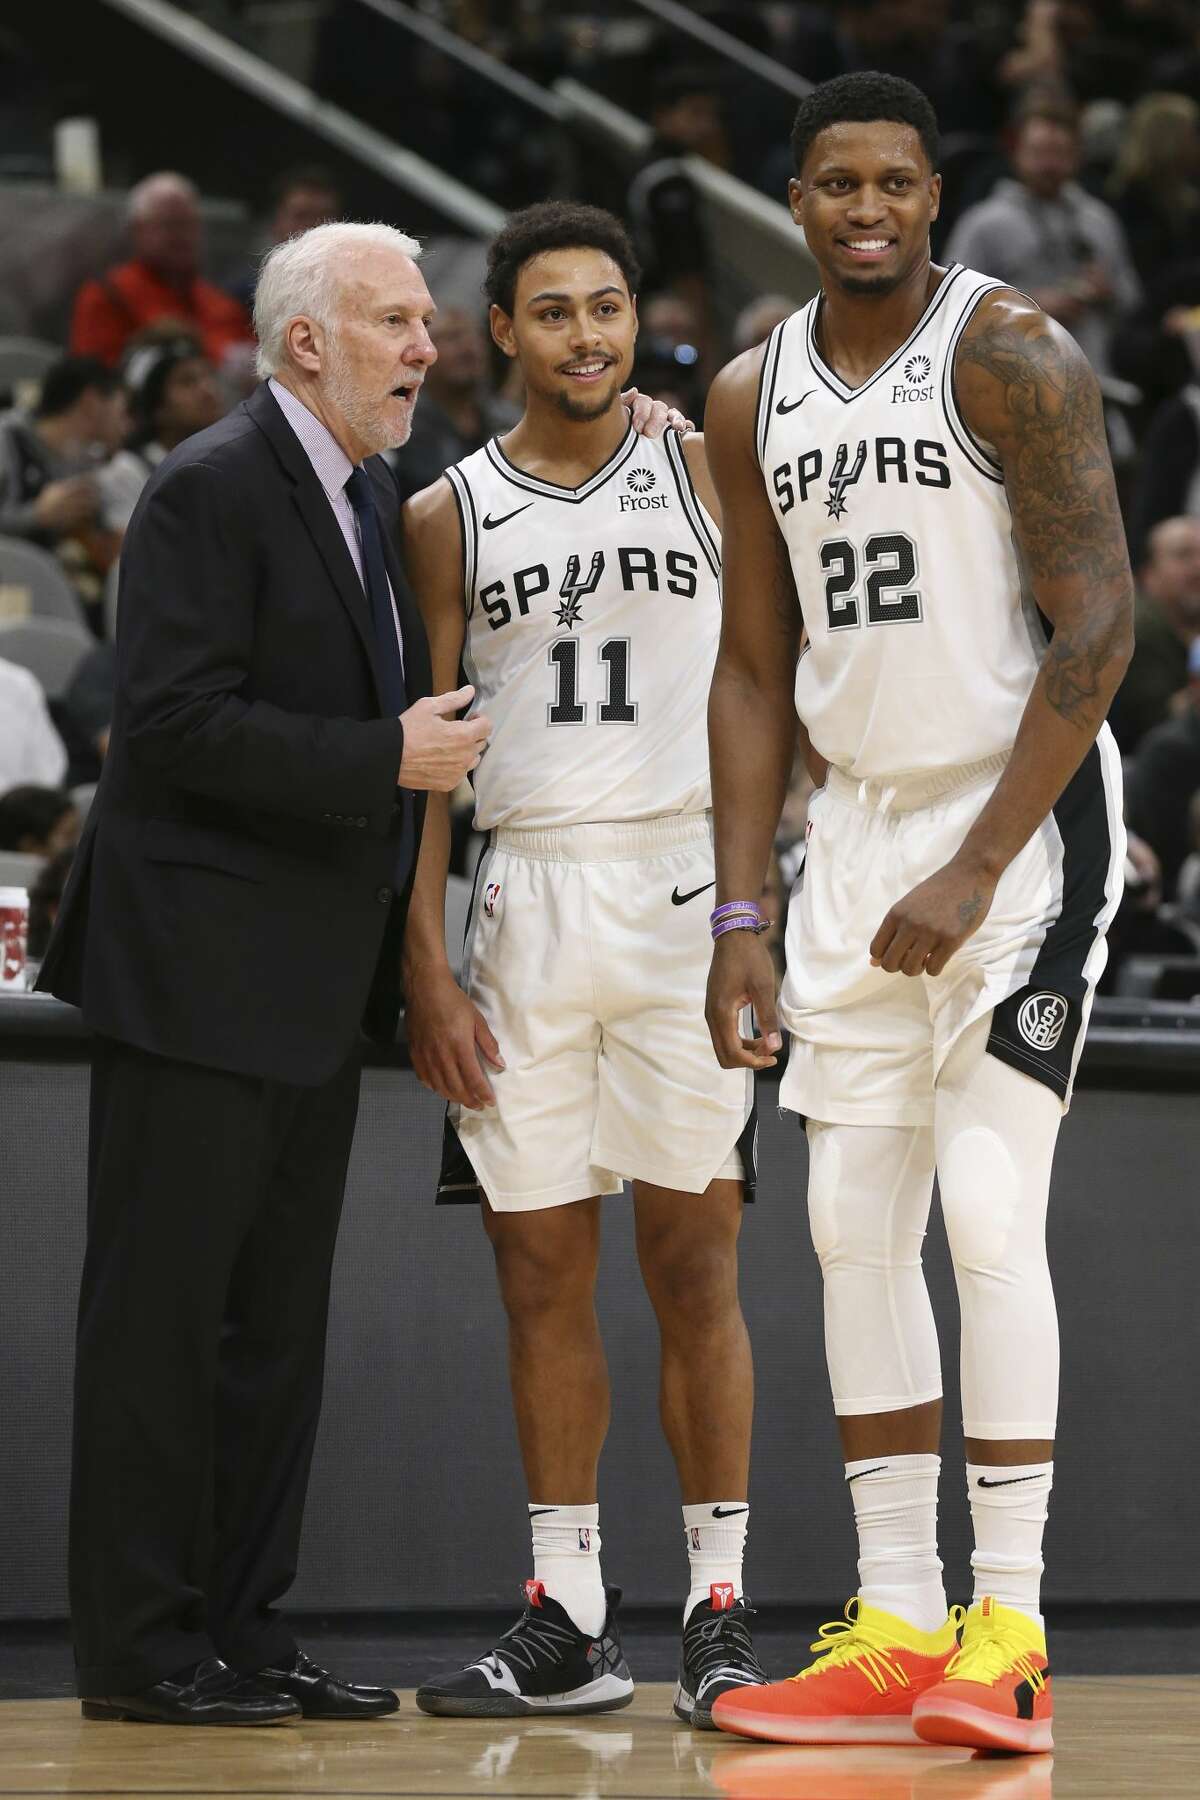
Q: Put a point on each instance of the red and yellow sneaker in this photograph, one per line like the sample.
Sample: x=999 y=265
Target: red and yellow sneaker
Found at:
x=996 y=1694
x=870 y=1668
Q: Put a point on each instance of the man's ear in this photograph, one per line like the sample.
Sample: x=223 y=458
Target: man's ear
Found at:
x=795 y=198
x=502 y=330
x=306 y=343
x=935 y=197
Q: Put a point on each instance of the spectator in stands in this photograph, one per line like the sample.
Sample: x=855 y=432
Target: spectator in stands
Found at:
x=1044 y=234
x=38 y=821
x=1154 y=184
x=161 y=281
x=662 y=203
x=755 y=323
x=458 y=411
x=48 y=459
x=30 y=747
x=1158 y=346
x=1166 y=628
x=1168 y=482
x=1075 y=49
x=44 y=896
x=1165 y=780
x=173 y=393
x=302 y=197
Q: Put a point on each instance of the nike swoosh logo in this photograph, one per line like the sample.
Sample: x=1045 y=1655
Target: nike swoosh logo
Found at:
x=538 y=1512
x=1011 y=1480
x=678 y=899
x=727 y=1512
x=787 y=406
x=490 y=524
x=877 y=1470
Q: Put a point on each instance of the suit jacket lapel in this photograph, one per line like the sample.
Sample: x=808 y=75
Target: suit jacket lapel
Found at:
x=312 y=504
x=417 y=674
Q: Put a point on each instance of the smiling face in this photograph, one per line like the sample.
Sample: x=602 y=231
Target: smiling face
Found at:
x=866 y=198
x=366 y=367
x=573 y=329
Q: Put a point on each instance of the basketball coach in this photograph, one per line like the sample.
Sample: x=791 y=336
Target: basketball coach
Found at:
x=231 y=926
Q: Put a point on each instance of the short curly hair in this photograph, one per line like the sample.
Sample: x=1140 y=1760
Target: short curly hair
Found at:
x=555 y=225
x=862 y=98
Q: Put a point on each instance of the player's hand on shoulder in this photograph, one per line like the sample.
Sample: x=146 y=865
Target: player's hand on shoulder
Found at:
x=449 y=1039
x=920 y=934
x=438 y=748
x=742 y=974
x=652 y=417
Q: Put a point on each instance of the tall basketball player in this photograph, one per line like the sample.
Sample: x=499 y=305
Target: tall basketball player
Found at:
x=914 y=468
x=573 y=567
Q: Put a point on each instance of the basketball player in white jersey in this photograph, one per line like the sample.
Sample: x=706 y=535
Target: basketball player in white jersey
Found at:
x=914 y=469
x=572 y=566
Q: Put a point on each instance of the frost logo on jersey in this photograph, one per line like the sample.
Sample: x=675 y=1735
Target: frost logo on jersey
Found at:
x=640 y=498
x=916 y=374
x=573 y=589
x=844 y=475
x=491 y=898
x=1041 y=1020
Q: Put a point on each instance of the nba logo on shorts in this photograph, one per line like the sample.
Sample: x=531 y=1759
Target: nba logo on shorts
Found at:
x=491 y=898
x=585 y=1538
x=695 y=1530
x=1041 y=1020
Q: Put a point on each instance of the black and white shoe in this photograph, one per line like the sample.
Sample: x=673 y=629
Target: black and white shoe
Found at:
x=718 y=1654
x=545 y=1664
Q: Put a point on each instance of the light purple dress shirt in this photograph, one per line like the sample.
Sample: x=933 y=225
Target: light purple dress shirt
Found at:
x=332 y=468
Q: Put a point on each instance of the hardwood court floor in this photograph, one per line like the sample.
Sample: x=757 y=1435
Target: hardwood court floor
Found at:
x=1120 y=1736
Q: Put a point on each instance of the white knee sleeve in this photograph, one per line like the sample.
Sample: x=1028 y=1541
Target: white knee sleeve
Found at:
x=995 y=1131
x=869 y=1193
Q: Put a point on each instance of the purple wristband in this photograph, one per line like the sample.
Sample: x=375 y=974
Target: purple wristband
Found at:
x=736 y=915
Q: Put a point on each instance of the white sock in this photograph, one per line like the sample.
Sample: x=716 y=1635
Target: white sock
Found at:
x=715 y=1534
x=1008 y=1512
x=566 y=1560
x=895 y=1510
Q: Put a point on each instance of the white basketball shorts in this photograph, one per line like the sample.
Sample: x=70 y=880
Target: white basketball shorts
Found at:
x=587 y=952
x=867 y=1046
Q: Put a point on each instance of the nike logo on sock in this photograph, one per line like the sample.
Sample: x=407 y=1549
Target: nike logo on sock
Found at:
x=538 y=1512
x=858 y=1475
x=1011 y=1480
x=728 y=1512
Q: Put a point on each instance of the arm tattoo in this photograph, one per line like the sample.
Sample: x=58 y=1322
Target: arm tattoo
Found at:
x=1048 y=425
x=968 y=910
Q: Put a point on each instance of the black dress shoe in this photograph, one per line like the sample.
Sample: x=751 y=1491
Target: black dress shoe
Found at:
x=323 y=1696
x=210 y=1693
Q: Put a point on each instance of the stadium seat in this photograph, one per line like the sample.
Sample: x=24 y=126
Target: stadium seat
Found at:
x=32 y=585
x=51 y=649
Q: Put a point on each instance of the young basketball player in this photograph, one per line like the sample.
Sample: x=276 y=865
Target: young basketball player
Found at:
x=915 y=468
x=572 y=566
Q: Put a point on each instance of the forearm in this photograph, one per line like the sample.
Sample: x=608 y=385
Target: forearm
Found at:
x=1069 y=702
x=425 y=930
x=751 y=735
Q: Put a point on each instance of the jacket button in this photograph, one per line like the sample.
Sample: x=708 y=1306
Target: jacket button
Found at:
x=384 y=895
x=327 y=816
x=360 y=823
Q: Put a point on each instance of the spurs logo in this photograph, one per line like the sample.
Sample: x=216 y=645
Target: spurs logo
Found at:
x=844 y=475
x=1041 y=1020
x=573 y=589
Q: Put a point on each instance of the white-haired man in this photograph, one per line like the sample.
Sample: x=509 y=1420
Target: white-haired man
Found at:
x=162 y=280
x=272 y=740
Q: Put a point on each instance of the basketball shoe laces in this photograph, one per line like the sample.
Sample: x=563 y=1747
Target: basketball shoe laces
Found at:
x=992 y=1654
x=849 y=1643
x=722 y=1642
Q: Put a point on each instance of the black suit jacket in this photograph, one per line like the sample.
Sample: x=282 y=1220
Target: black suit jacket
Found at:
x=234 y=899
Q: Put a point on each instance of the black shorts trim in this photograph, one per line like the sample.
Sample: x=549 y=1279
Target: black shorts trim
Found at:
x=1038 y=1029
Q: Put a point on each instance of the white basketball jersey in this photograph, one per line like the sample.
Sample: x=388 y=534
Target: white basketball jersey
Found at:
x=922 y=646
x=592 y=622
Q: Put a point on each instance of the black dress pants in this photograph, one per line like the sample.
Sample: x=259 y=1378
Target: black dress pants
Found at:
x=213 y=1208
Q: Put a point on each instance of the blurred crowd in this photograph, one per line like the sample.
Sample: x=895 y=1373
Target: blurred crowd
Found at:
x=1072 y=170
